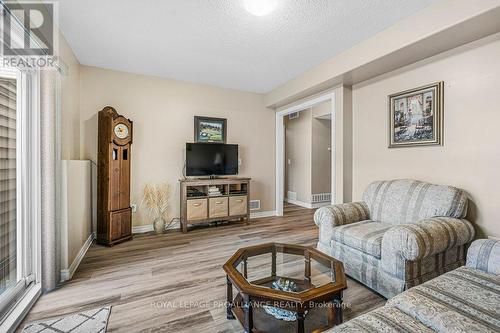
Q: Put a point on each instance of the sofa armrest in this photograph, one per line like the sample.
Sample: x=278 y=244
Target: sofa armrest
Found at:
x=328 y=217
x=414 y=241
x=484 y=254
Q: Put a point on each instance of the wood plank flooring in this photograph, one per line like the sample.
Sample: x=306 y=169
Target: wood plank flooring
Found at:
x=175 y=281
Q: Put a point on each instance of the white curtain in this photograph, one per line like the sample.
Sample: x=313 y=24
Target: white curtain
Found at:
x=49 y=225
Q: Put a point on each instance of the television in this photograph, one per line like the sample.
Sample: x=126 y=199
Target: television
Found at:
x=211 y=159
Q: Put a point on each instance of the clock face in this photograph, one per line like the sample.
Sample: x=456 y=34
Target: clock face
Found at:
x=121 y=131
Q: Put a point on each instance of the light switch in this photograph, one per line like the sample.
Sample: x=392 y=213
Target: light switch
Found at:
x=134 y=208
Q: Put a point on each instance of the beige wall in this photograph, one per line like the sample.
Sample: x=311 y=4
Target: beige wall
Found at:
x=76 y=208
x=70 y=102
x=321 y=155
x=162 y=111
x=307 y=139
x=470 y=157
x=298 y=163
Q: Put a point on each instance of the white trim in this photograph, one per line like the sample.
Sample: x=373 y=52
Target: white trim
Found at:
x=280 y=145
x=67 y=274
x=141 y=229
x=258 y=215
x=494 y=238
x=21 y=309
x=307 y=204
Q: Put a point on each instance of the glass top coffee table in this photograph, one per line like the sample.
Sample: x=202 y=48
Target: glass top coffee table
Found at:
x=284 y=288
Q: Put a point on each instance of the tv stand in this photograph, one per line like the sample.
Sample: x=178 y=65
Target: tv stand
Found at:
x=214 y=199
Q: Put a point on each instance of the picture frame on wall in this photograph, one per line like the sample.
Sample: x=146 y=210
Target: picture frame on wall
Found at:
x=209 y=129
x=416 y=116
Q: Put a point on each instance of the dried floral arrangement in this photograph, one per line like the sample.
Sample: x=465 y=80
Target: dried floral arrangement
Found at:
x=156 y=198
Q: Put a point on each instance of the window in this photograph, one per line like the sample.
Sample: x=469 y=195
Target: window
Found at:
x=8 y=176
x=19 y=194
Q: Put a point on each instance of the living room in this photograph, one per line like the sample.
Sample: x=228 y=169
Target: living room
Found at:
x=146 y=171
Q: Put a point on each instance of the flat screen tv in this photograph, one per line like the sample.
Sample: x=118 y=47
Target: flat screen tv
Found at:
x=211 y=159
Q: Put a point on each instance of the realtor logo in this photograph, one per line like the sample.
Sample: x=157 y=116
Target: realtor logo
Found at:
x=38 y=22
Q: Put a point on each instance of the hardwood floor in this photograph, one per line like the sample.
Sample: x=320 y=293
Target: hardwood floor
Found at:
x=175 y=281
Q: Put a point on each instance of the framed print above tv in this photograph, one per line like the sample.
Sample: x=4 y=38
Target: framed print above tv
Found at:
x=416 y=117
x=208 y=129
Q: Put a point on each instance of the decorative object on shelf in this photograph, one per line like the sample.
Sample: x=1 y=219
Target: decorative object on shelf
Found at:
x=156 y=198
x=114 y=215
x=208 y=129
x=416 y=116
x=281 y=314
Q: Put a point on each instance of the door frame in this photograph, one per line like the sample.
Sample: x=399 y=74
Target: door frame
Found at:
x=280 y=144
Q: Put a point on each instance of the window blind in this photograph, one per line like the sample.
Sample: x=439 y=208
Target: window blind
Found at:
x=8 y=225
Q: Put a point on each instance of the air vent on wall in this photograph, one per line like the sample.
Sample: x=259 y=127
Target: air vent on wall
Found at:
x=321 y=197
x=254 y=204
x=293 y=115
x=291 y=195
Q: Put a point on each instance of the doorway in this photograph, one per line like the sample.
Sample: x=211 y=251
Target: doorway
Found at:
x=308 y=157
x=284 y=170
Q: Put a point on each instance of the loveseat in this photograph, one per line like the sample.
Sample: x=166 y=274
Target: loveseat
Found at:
x=403 y=233
x=464 y=300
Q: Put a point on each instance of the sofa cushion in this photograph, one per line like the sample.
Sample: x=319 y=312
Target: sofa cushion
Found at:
x=484 y=254
x=463 y=300
x=365 y=236
x=408 y=201
x=383 y=320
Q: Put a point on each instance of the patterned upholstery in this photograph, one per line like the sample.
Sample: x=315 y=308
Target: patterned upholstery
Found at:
x=410 y=242
x=403 y=233
x=466 y=299
x=365 y=236
x=329 y=217
x=409 y=201
x=484 y=254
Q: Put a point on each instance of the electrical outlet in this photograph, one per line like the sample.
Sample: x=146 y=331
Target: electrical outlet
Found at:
x=134 y=208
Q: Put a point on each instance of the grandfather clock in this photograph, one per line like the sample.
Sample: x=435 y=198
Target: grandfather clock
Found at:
x=114 y=215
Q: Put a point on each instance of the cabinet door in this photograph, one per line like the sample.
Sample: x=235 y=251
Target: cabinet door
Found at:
x=115 y=231
x=126 y=223
x=114 y=177
x=125 y=177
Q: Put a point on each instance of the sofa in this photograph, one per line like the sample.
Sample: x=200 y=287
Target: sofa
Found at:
x=466 y=299
x=403 y=233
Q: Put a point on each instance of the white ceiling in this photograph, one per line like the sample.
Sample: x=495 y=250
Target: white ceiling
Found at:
x=217 y=42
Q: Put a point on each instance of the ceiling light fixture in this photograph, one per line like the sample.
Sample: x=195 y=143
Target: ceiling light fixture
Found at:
x=260 y=7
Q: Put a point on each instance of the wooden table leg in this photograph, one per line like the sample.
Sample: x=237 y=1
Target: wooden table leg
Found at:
x=247 y=307
x=301 y=316
x=337 y=306
x=229 y=303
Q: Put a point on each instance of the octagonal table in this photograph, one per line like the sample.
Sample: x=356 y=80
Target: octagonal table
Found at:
x=272 y=277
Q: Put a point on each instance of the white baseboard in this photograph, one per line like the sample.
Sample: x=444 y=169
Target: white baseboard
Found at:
x=307 y=204
x=67 y=274
x=257 y=215
x=140 y=229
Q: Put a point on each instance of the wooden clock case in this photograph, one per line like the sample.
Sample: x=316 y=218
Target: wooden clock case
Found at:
x=114 y=214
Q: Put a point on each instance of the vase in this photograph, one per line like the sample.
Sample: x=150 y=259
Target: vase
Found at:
x=159 y=225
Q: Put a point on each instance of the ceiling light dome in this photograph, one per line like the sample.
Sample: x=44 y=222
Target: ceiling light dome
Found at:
x=260 y=7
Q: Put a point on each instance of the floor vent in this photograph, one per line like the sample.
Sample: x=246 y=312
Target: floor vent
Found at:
x=291 y=195
x=321 y=197
x=254 y=204
x=293 y=115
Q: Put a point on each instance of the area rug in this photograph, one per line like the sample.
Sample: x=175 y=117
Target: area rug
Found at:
x=92 y=321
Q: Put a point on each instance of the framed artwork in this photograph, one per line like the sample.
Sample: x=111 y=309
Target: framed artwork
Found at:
x=207 y=129
x=416 y=117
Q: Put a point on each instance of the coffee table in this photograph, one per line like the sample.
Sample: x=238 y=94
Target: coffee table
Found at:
x=273 y=277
